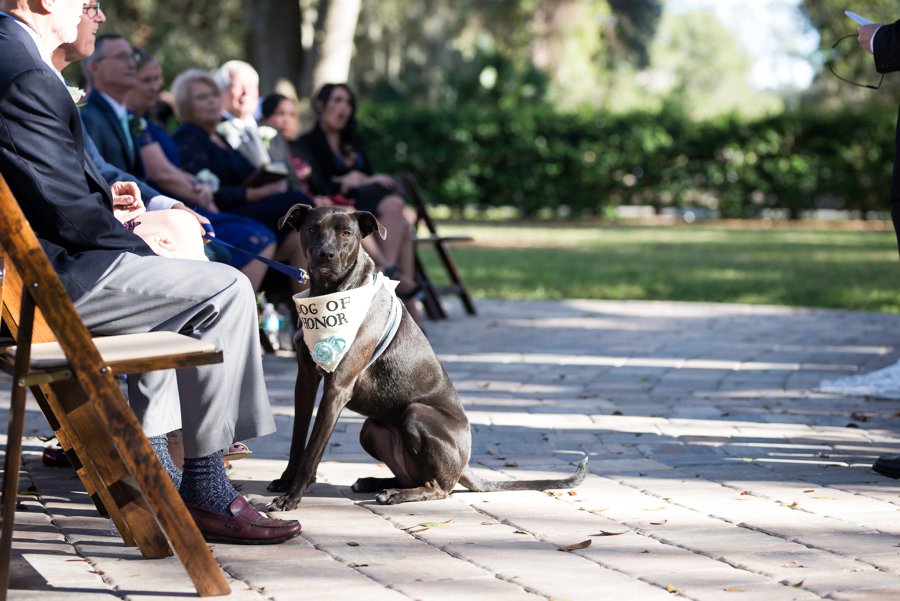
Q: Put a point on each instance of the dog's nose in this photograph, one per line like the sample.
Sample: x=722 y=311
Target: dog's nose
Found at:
x=326 y=253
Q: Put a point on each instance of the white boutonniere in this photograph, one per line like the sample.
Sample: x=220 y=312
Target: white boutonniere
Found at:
x=77 y=95
x=230 y=132
x=138 y=125
x=267 y=134
x=208 y=178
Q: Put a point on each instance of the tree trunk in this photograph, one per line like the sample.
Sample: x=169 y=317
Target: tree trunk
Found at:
x=274 y=45
x=333 y=44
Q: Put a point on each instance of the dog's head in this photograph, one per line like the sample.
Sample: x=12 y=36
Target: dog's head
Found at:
x=330 y=237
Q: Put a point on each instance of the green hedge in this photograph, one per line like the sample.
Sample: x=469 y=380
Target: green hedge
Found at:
x=541 y=159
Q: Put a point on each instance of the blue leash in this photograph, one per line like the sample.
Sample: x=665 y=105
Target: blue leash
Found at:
x=292 y=272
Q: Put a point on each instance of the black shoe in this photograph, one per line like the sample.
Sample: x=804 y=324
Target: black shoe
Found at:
x=889 y=465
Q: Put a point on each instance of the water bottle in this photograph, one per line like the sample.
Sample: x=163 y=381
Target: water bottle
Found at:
x=271 y=324
x=285 y=328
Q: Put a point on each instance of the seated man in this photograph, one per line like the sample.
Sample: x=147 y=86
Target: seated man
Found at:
x=119 y=286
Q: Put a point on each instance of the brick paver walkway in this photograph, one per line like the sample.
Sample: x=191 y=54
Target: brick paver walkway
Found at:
x=717 y=472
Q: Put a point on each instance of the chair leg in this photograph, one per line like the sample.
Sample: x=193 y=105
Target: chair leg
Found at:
x=432 y=301
x=76 y=413
x=455 y=277
x=11 y=481
x=84 y=469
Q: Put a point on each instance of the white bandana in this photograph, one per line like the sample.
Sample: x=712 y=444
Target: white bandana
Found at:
x=330 y=323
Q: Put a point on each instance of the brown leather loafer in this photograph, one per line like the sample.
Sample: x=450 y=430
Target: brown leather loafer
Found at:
x=242 y=525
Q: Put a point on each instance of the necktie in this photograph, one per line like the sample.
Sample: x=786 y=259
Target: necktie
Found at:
x=126 y=129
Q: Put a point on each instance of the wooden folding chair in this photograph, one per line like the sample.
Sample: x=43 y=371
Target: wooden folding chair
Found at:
x=441 y=244
x=72 y=377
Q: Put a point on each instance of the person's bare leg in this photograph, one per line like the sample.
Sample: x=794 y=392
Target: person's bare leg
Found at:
x=371 y=247
x=391 y=214
x=256 y=270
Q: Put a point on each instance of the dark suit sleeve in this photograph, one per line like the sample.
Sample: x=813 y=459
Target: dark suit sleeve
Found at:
x=113 y=174
x=886 y=48
x=47 y=165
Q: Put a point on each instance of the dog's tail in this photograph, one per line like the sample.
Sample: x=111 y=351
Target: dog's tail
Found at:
x=477 y=484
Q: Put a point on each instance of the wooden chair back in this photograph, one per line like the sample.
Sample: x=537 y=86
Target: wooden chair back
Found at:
x=441 y=244
x=87 y=409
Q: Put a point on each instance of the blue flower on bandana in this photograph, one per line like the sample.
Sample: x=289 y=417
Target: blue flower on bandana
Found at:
x=326 y=350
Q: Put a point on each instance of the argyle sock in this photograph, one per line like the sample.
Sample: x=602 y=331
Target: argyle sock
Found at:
x=160 y=445
x=204 y=483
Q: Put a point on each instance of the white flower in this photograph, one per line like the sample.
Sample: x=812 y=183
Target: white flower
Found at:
x=267 y=134
x=230 y=132
x=77 y=94
x=209 y=178
x=137 y=124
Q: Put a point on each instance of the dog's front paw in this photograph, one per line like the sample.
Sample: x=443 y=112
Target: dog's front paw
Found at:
x=283 y=503
x=388 y=497
x=280 y=485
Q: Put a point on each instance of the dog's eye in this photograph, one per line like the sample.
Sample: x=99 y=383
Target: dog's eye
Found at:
x=313 y=229
x=346 y=233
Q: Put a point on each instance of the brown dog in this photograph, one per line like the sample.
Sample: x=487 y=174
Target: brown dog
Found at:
x=416 y=423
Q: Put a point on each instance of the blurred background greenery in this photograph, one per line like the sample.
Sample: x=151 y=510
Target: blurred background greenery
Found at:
x=575 y=114
x=562 y=108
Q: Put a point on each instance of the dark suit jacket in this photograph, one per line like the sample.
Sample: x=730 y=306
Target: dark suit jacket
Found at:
x=42 y=158
x=886 y=48
x=106 y=132
x=112 y=174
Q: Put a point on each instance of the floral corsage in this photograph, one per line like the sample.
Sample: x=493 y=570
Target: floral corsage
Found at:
x=77 y=95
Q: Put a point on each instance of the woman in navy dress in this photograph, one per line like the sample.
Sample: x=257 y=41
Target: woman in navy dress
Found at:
x=162 y=162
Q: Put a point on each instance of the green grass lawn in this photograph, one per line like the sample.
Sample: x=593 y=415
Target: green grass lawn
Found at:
x=832 y=268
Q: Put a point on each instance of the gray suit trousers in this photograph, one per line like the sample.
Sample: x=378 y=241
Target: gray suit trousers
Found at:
x=214 y=405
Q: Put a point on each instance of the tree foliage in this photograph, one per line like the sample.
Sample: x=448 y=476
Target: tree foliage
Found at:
x=181 y=33
x=848 y=59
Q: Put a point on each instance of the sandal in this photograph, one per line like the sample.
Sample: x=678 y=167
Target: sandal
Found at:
x=237 y=451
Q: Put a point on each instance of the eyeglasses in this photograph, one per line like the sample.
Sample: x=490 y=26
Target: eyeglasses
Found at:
x=92 y=10
x=831 y=67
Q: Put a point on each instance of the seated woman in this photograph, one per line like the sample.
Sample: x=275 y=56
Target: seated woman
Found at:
x=199 y=107
x=280 y=113
x=341 y=169
x=159 y=154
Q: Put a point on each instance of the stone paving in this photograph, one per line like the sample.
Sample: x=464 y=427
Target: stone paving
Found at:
x=718 y=471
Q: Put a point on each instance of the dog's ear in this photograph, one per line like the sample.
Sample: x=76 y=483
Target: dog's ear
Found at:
x=368 y=224
x=295 y=216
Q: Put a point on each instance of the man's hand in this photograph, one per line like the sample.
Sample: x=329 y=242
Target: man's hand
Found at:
x=866 y=33
x=127 y=203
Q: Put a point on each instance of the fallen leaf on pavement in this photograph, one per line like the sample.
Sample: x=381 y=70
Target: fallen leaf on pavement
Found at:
x=613 y=532
x=582 y=545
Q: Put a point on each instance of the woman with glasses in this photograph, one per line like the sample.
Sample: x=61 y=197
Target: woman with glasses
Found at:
x=199 y=107
x=161 y=159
